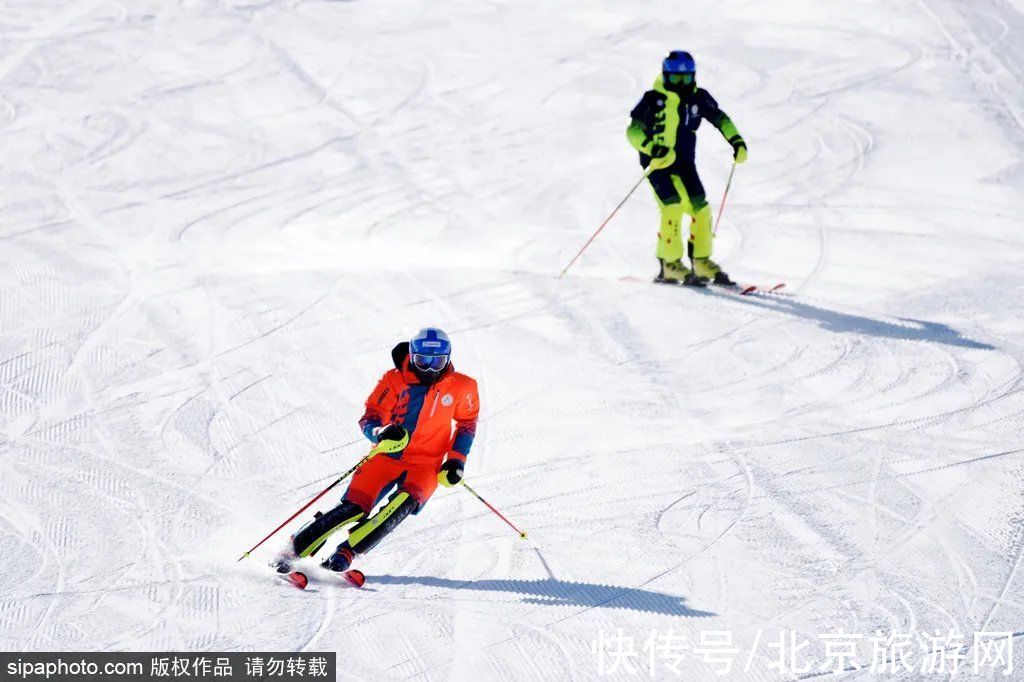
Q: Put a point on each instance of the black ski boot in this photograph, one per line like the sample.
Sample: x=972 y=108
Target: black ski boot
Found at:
x=340 y=561
x=282 y=563
x=722 y=279
x=692 y=280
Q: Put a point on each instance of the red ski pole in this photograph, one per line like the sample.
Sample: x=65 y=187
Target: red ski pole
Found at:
x=721 y=208
x=522 y=533
x=384 y=446
x=606 y=221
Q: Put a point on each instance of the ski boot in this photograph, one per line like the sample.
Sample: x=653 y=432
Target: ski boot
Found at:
x=282 y=563
x=340 y=561
x=675 y=272
x=708 y=270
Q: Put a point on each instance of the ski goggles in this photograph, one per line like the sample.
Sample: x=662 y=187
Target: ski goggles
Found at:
x=679 y=78
x=429 y=362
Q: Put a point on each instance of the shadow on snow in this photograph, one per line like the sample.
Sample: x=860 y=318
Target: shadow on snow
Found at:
x=553 y=592
x=836 y=321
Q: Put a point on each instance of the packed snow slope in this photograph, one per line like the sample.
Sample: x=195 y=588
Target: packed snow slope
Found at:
x=218 y=217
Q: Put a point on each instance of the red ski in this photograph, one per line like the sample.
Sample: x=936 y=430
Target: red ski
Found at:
x=740 y=289
x=736 y=289
x=748 y=289
x=353 y=577
x=296 y=578
x=774 y=289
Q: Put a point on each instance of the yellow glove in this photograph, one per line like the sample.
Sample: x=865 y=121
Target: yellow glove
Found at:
x=391 y=438
x=661 y=157
x=739 y=150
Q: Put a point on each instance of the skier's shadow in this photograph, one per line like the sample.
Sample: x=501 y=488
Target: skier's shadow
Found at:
x=553 y=592
x=836 y=321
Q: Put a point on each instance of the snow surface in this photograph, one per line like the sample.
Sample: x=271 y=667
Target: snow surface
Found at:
x=218 y=217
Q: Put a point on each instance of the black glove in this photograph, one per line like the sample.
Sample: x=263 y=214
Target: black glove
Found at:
x=450 y=474
x=391 y=432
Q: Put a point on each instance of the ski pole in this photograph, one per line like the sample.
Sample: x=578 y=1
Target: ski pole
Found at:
x=606 y=221
x=721 y=208
x=522 y=533
x=379 y=447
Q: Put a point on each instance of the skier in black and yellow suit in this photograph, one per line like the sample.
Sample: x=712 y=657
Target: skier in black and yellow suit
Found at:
x=663 y=129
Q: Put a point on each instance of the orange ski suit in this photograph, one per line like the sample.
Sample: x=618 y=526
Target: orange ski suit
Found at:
x=441 y=420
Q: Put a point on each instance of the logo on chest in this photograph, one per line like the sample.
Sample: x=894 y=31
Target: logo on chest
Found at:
x=690 y=113
x=447 y=400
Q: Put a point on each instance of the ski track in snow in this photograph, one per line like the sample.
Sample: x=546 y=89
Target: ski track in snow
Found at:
x=218 y=217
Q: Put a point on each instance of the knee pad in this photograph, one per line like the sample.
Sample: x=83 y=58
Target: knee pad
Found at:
x=367 y=534
x=670 y=239
x=700 y=233
x=672 y=212
x=312 y=537
x=671 y=222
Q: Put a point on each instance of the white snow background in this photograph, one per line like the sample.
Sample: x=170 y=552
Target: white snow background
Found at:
x=217 y=217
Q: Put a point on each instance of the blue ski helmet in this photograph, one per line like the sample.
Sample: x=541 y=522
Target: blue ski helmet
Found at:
x=430 y=351
x=679 y=69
